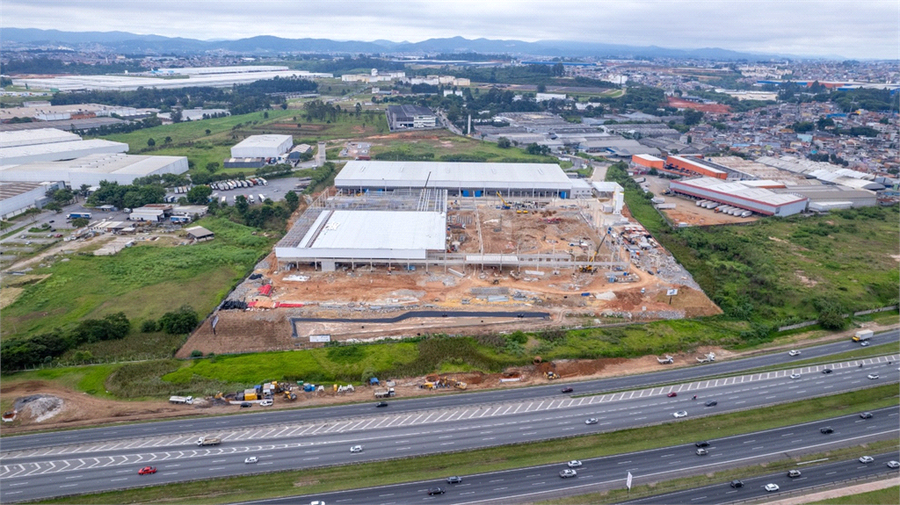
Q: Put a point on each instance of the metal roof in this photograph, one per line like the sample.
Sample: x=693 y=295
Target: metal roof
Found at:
x=451 y=175
x=36 y=136
x=377 y=230
x=738 y=190
x=272 y=141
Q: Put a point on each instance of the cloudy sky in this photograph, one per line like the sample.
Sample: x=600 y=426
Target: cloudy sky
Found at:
x=860 y=29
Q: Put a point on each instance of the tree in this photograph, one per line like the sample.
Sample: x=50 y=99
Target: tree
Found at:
x=692 y=117
x=184 y=320
x=541 y=88
x=151 y=142
x=208 y=131
x=55 y=207
x=503 y=143
x=80 y=222
x=358 y=108
x=199 y=195
x=167 y=140
x=212 y=166
x=292 y=200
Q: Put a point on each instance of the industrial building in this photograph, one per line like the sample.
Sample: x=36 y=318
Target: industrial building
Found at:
x=644 y=162
x=262 y=146
x=534 y=180
x=56 y=151
x=17 y=197
x=404 y=117
x=825 y=198
x=682 y=165
x=737 y=194
x=91 y=169
x=37 y=136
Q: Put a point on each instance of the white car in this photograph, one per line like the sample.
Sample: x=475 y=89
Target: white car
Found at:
x=592 y=420
x=568 y=472
x=893 y=464
x=356 y=448
x=772 y=487
x=873 y=376
x=574 y=463
x=680 y=413
x=251 y=459
x=266 y=403
x=795 y=376
x=866 y=459
x=794 y=353
x=864 y=343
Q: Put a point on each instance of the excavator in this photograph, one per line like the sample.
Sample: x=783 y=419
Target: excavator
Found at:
x=504 y=204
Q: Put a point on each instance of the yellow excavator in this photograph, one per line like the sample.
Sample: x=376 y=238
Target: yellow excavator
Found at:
x=504 y=204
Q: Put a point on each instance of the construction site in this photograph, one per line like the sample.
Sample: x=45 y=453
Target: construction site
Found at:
x=361 y=266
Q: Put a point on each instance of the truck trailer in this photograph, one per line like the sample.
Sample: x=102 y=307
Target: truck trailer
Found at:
x=203 y=441
x=182 y=399
x=384 y=393
x=862 y=335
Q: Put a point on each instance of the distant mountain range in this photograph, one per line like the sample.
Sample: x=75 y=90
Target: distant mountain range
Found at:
x=129 y=43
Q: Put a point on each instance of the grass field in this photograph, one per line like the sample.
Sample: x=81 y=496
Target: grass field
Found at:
x=442 y=145
x=144 y=282
x=886 y=496
x=320 y=480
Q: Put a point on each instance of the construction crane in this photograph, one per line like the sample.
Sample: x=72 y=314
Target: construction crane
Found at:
x=505 y=205
x=590 y=268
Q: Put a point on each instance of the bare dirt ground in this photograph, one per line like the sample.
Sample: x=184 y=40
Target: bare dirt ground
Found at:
x=82 y=410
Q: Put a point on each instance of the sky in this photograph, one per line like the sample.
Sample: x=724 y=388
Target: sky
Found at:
x=859 y=29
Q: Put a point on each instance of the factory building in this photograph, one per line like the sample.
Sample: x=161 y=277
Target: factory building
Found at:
x=644 y=162
x=262 y=146
x=825 y=198
x=682 y=165
x=17 y=197
x=38 y=136
x=92 y=169
x=737 y=194
x=535 y=180
x=57 y=151
x=404 y=117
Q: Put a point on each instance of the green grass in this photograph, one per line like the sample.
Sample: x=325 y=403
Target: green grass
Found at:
x=321 y=480
x=886 y=496
x=442 y=145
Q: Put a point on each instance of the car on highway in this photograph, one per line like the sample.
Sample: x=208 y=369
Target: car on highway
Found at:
x=673 y=394
x=702 y=452
x=704 y=443
x=893 y=464
x=772 y=487
x=592 y=420
x=865 y=415
x=826 y=430
x=574 y=463
x=568 y=472
x=794 y=353
x=872 y=376
x=381 y=404
x=454 y=479
x=795 y=376
x=566 y=390
x=680 y=413
x=737 y=483
x=435 y=490
x=251 y=460
x=317 y=502
x=864 y=343
x=794 y=473
x=147 y=470
x=866 y=460
x=827 y=371
x=711 y=403
x=356 y=448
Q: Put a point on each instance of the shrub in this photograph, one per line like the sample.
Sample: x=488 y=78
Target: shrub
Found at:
x=184 y=320
x=149 y=326
x=196 y=354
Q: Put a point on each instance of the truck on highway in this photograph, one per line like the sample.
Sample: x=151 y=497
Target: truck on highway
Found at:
x=202 y=441
x=862 y=335
x=189 y=400
x=384 y=393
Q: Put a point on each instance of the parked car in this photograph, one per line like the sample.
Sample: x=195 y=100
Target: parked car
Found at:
x=794 y=473
x=673 y=394
x=592 y=420
x=356 y=448
x=794 y=353
x=866 y=415
x=712 y=403
x=826 y=430
x=771 y=487
x=568 y=472
x=567 y=390
x=866 y=459
x=680 y=413
x=435 y=490
x=454 y=480
x=246 y=405
x=574 y=463
x=251 y=459
x=147 y=470
x=737 y=484
x=266 y=403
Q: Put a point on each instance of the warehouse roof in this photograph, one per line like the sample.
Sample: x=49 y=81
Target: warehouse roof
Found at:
x=117 y=163
x=738 y=190
x=451 y=175
x=380 y=230
x=38 y=136
x=264 y=141
x=59 y=148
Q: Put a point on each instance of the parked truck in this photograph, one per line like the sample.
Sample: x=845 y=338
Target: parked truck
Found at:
x=76 y=215
x=182 y=399
x=862 y=335
x=384 y=393
x=203 y=441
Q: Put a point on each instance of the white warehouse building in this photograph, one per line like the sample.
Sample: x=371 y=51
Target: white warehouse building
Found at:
x=536 y=180
x=736 y=194
x=92 y=169
x=262 y=146
x=56 y=151
x=18 y=138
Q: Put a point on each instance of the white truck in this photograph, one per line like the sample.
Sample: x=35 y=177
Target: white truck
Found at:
x=189 y=400
x=384 y=393
x=203 y=441
x=863 y=335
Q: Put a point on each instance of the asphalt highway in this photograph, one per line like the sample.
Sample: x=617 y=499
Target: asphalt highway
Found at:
x=448 y=400
x=387 y=433
x=606 y=473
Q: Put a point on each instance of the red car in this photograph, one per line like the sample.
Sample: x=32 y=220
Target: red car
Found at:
x=146 y=470
x=673 y=394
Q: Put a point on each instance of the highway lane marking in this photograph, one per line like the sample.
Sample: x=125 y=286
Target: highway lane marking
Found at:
x=750 y=441
x=623 y=462
x=530 y=476
x=310 y=459
x=74 y=477
x=538 y=483
x=499 y=488
x=403 y=448
x=495 y=480
x=217 y=468
x=69 y=485
x=118 y=480
x=756 y=448
x=667 y=456
x=219 y=461
x=447 y=443
x=13 y=492
x=17 y=484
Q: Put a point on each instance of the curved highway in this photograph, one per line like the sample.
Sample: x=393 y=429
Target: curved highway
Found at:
x=389 y=433
x=236 y=422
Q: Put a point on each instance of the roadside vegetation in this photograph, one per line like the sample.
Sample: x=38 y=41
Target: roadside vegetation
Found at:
x=319 y=480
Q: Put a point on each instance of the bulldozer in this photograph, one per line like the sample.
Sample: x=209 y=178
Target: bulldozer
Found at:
x=552 y=375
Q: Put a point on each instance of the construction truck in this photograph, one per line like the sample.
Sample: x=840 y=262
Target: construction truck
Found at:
x=460 y=385
x=189 y=400
x=552 y=375
x=289 y=395
x=668 y=360
x=504 y=204
x=203 y=441
x=384 y=393
x=427 y=385
x=709 y=358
